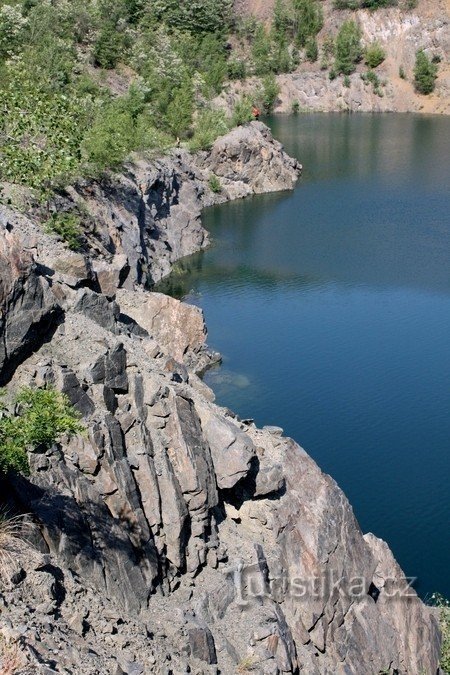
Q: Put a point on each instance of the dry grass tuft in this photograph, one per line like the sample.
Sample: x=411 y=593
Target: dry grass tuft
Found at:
x=11 y=658
x=13 y=544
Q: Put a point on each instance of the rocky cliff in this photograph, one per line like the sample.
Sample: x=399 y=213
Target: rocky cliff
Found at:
x=401 y=31
x=173 y=537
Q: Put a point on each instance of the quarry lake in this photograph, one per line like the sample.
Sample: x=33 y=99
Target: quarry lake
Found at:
x=331 y=308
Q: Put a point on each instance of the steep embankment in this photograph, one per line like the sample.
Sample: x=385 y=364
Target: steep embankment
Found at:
x=173 y=537
x=401 y=33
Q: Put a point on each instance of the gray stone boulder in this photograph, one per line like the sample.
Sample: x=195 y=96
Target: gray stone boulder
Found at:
x=28 y=309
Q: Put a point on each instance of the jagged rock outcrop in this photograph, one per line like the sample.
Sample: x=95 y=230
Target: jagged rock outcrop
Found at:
x=28 y=309
x=174 y=536
x=141 y=222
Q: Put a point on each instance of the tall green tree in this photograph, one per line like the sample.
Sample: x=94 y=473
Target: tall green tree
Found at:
x=348 y=49
x=308 y=20
x=425 y=73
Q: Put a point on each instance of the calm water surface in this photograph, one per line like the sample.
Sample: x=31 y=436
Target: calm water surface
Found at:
x=331 y=307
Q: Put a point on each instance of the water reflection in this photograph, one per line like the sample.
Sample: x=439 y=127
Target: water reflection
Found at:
x=331 y=307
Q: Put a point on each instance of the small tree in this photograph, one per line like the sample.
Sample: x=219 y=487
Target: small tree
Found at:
x=242 y=112
x=348 y=49
x=269 y=92
x=308 y=20
x=312 y=50
x=180 y=109
x=374 y=55
x=108 y=47
x=261 y=51
x=425 y=74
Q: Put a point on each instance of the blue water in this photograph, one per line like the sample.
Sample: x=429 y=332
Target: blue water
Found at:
x=331 y=307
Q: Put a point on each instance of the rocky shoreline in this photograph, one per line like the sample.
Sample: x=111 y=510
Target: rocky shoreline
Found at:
x=173 y=537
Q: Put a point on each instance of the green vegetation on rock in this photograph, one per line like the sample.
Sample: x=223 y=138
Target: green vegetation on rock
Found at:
x=68 y=227
x=443 y=605
x=374 y=55
x=425 y=73
x=41 y=417
x=348 y=50
x=84 y=84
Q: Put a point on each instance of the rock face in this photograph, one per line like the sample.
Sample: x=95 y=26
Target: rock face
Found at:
x=171 y=537
x=400 y=31
x=141 y=222
x=28 y=309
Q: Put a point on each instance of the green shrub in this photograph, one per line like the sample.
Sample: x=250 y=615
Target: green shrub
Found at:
x=401 y=73
x=269 y=94
x=12 y=30
x=374 y=80
x=347 y=82
x=444 y=621
x=360 y=4
x=108 y=47
x=425 y=74
x=282 y=19
x=43 y=416
x=348 y=51
x=374 y=54
x=312 y=50
x=180 y=109
x=110 y=139
x=195 y=16
x=308 y=20
x=210 y=125
x=214 y=184
x=68 y=227
x=242 y=111
x=40 y=130
x=261 y=49
x=237 y=69
x=295 y=107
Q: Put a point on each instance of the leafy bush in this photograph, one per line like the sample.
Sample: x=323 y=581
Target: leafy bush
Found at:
x=209 y=125
x=214 y=184
x=180 y=109
x=269 y=93
x=195 y=16
x=12 y=30
x=261 y=51
x=40 y=130
x=360 y=4
x=237 y=69
x=374 y=80
x=68 y=227
x=401 y=73
x=312 y=50
x=348 y=51
x=444 y=621
x=110 y=139
x=425 y=74
x=295 y=107
x=43 y=416
x=374 y=54
x=108 y=47
x=242 y=112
